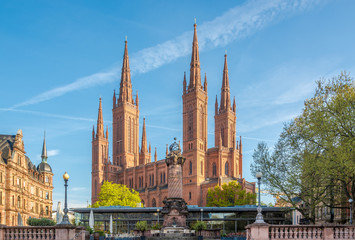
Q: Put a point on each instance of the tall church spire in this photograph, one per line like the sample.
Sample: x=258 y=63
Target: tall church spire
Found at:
x=225 y=92
x=44 y=149
x=144 y=139
x=195 y=75
x=126 y=85
x=100 y=122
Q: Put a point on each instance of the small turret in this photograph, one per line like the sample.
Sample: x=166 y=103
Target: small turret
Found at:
x=106 y=132
x=216 y=107
x=93 y=132
x=234 y=105
x=167 y=150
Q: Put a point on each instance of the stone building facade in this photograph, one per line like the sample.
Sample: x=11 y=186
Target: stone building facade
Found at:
x=24 y=188
x=204 y=167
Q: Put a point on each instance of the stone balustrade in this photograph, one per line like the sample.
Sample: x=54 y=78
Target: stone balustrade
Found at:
x=300 y=232
x=57 y=232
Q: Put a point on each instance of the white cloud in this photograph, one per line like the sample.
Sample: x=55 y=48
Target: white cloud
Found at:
x=78 y=189
x=53 y=152
x=236 y=23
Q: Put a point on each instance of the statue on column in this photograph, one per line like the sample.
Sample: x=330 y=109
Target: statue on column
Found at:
x=175 y=208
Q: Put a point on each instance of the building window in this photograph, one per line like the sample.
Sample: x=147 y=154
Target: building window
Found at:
x=13 y=200
x=18 y=202
x=150 y=180
x=222 y=136
x=189 y=195
x=201 y=168
x=47 y=195
x=190 y=123
x=214 y=169
x=47 y=212
x=226 y=168
x=164 y=177
x=154 y=203
x=47 y=179
x=153 y=180
x=95 y=187
x=0 y=199
x=161 y=178
x=190 y=169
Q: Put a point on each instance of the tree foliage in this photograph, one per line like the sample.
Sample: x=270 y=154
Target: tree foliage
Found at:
x=112 y=194
x=314 y=158
x=230 y=194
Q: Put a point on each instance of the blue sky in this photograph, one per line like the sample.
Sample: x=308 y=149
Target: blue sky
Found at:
x=58 y=57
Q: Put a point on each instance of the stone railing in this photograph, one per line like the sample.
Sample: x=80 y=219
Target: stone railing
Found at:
x=300 y=232
x=68 y=232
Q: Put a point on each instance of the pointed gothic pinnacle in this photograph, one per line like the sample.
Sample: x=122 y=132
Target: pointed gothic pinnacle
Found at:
x=125 y=84
x=234 y=105
x=106 y=132
x=93 y=131
x=100 y=122
x=240 y=144
x=137 y=99
x=205 y=83
x=44 y=149
x=144 y=138
x=225 y=92
x=216 y=107
x=167 y=150
x=150 y=148
x=155 y=155
x=114 y=98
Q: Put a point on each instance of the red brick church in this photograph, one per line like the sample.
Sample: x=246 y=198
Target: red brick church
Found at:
x=204 y=167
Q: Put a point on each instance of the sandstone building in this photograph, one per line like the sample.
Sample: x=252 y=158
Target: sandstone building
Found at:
x=204 y=167
x=24 y=188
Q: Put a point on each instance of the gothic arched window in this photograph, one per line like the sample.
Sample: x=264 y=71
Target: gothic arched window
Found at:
x=201 y=122
x=129 y=134
x=95 y=187
x=190 y=123
x=226 y=168
x=190 y=169
x=214 y=169
x=154 y=203
x=222 y=136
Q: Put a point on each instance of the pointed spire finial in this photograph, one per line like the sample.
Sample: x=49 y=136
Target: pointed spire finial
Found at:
x=194 y=20
x=125 y=84
x=125 y=38
x=44 y=149
x=225 y=91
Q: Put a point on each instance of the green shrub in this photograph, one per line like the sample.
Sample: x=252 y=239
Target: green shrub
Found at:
x=101 y=233
x=157 y=226
x=90 y=230
x=142 y=226
x=40 y=222
x=199 y=225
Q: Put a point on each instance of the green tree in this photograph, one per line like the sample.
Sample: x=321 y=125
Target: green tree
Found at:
x=314 y=156
x=112 y=194
x=230 y=194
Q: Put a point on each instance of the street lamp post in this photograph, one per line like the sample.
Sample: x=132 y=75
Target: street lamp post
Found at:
x=259 y=216
x=351 y=211
x=158 y=214
x=65 y=217
x=201 y=214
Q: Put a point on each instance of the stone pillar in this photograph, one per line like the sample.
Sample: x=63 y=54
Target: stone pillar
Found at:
x=175 y=208
x=328 y=232
x=65 y=232
x=258 y=231
x=2 y=231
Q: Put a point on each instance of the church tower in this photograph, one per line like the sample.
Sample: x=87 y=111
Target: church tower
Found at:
x=225 y=129
x=125 y=117
x=194 y=128
x=99 y=156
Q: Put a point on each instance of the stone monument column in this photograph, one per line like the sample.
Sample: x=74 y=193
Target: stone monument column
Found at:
x=175 y=208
